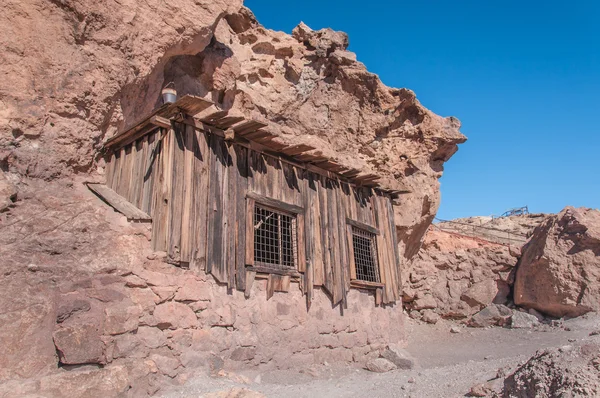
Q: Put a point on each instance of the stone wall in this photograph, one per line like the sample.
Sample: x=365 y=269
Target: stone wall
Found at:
x=90 y=310
x=174 y=321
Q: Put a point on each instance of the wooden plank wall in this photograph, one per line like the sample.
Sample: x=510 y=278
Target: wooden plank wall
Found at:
x=130 y=171
x=194 y=185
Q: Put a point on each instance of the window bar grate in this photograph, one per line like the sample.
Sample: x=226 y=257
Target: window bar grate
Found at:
x=275 y=238
x=365 y=255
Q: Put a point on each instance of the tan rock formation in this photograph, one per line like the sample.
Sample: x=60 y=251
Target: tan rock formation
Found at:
x=559 y=271
x=455 y=276
x=89 y=69
x=569 y=371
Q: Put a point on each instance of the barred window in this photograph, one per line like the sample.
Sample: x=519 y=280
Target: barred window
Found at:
x=275 y=238
x=364 y=244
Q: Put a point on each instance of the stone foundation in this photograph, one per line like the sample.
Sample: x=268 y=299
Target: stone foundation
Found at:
x=170 y=321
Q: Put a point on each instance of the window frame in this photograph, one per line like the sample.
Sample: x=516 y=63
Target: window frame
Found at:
x=358 y=283
x=252 y=199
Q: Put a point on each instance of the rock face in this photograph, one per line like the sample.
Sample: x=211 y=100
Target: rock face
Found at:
x=98 y=69
x=8 y=192
x=559 y=271
x=456 y=276
x=558 y=372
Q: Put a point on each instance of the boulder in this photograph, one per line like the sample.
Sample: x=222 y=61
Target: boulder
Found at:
x=79 y=344
x=380 y=365
x=557 y=372
x=522 y=320
x=481 y=293
x=399 y=357
x=88 y=382
x=492 y=315
x=430 y=316
x=559 y=271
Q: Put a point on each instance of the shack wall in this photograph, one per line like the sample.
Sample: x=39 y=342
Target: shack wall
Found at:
x=195 y=185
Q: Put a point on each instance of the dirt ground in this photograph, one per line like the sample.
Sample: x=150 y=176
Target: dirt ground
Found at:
x=449 y=364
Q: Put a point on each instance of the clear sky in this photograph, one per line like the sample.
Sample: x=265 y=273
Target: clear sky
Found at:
x=522 y=76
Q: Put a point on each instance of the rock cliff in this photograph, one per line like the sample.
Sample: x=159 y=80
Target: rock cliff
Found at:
x=93 y=68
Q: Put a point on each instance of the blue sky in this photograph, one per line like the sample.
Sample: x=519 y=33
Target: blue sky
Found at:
x=522 y=76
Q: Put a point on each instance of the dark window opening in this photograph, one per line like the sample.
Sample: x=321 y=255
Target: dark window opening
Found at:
x=275 y=240
x=365 y=255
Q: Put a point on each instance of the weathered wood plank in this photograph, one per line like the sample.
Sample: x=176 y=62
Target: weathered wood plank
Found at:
x=213 y=117
x=275 y=203
x=271 y=285
x=248 y=127
x=109 y=169
x=228 y=121
x=230 y=216
x=332 y=203
x=187 y=220
x=160 y=121
x=383 y=253
x=325 y=235
x=135 y=178
x=241 y=155
x=297 y=149
x=162 y=193
x=177 y=194
x=378 y=296
x=364 y=226
x=218 y=217
x=395 y=246
x=119 y=203
x=150 y=166
x=315 y=226
x=250 y=276
x=351 y=258
x=249 y=231
x=200 y=200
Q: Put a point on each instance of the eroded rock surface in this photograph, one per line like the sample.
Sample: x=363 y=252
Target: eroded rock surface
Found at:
x=569 y=371
x=90 y=69
x=456 y=276
x=559 y=271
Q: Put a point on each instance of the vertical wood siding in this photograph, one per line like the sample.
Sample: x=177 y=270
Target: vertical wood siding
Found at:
x=194 y=186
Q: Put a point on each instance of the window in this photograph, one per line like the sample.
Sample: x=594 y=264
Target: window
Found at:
x=275 y=239
x=274 y=236
x=364 y=245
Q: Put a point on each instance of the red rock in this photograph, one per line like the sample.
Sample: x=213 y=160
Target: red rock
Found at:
x=559 y=271
x=194 y=290
x=166 y=363
x=112 y=381
x=79 y=344
x=151 y=337
x=71 y=305
x=173 y=315
x=8 y=192
x=121 y=319
x=481 y=294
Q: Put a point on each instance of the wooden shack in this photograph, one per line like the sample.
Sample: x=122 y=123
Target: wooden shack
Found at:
x=225 y=196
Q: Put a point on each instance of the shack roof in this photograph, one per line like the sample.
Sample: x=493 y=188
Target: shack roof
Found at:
x=248 y=132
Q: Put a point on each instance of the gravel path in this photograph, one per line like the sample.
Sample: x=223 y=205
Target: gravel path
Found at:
x=448 y=365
